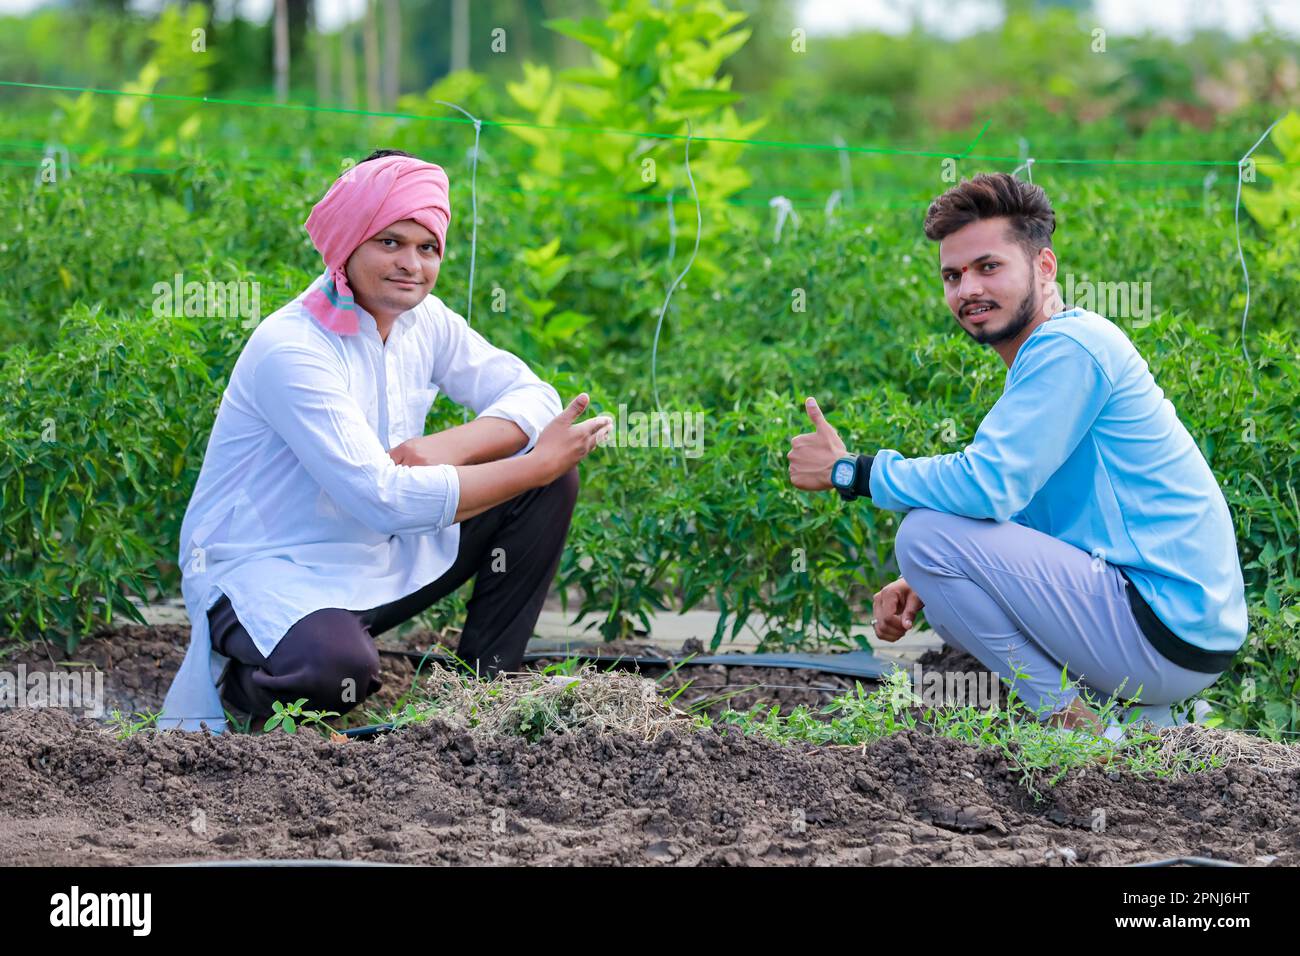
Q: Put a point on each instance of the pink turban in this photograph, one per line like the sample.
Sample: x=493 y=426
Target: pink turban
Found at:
x=364 y=201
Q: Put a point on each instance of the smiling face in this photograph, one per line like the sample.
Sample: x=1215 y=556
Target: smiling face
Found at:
x=994 y=288
x=395 y=269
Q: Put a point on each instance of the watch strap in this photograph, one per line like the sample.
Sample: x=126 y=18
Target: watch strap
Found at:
x=862 y=476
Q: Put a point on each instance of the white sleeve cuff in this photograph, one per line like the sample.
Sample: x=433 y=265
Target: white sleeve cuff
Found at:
x=453 y=495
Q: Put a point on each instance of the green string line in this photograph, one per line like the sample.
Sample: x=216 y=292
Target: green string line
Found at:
x=978 y=137
x=1104 y=141
x=286 y=152
x=767 y=144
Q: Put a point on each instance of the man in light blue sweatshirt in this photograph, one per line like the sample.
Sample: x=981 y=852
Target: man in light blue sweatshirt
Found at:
x=1081 y=529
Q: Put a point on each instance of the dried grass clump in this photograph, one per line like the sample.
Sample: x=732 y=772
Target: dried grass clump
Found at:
x=530 y=705
x=1230 y=746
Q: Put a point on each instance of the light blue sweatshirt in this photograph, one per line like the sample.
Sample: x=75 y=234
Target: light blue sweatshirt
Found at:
x=1083 y=446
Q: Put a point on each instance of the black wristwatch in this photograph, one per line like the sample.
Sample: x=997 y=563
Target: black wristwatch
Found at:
x=851 y=476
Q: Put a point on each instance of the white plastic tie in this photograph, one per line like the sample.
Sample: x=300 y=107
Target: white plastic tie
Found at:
x=784 y=209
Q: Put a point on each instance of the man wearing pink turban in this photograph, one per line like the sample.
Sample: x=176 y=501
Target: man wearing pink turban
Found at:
x=323 y=515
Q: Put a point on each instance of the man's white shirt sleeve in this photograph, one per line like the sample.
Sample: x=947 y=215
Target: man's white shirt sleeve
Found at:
x=495 y=383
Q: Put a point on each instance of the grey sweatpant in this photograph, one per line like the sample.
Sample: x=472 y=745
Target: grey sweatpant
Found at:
x=1007 y=594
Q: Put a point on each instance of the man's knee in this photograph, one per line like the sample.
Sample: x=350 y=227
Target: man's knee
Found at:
x=344 y=668
x=915 y=532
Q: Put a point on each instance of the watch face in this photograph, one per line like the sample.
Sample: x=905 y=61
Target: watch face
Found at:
x=842 y=476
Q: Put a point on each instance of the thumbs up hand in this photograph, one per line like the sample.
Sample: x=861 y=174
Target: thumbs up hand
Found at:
x=811 y=456
x=815 y=415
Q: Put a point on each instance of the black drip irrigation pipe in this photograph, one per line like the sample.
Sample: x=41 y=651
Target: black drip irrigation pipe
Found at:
x=370 y=730
x=533 y=656
x=1171 y=861
x=255 y=862
x=867 y=667
x=1187 y=861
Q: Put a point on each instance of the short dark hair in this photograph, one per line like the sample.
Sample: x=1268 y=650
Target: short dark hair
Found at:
x=381 y=153
x=992 y=196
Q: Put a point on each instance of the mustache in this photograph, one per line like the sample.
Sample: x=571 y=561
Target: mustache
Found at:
x=965 y=309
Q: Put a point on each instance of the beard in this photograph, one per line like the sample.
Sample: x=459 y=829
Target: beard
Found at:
x=1023 y=315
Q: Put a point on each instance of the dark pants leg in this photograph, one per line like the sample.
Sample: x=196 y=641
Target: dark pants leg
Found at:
x=512 y=551
x=326 y=657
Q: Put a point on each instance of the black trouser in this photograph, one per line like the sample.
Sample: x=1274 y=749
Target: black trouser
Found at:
x=512 y=551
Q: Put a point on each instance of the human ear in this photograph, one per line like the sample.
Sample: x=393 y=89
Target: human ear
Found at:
x=1046 y=265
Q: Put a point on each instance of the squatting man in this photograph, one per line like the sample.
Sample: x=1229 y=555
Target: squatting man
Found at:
x=323 y=516
x=1082 y=529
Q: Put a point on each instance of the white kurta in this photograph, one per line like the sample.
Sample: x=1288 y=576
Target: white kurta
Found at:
x=298 y=506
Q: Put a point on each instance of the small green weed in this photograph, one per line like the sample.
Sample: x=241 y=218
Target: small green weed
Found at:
x=288 y=716
x=125 y=726
x=1039 y=754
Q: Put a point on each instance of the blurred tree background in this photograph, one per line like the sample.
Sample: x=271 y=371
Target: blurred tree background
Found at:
x=366 y=53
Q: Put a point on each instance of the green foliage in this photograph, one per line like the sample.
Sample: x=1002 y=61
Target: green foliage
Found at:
x=287 y=717
x=1280 y=206
x=173 y=67
x=128 y=725
x=653 y=69
x=1262 y=690
x=579 y=243
x=85 y=46
x=94 y=440
x=112 y=231
x=1277 y=209
x=852 y=718
x=548 y=328
x=410 y=713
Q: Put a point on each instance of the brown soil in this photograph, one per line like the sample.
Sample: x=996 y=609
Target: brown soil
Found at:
x=72 y=793
x=428 y=794
x=138 y=662
x=950 y=660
